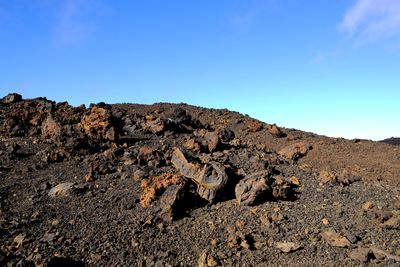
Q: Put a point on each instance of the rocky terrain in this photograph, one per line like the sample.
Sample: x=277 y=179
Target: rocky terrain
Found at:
x=392 y=141
x=178 y=185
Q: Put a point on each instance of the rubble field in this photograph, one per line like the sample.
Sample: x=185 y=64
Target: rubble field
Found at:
x=179 y=185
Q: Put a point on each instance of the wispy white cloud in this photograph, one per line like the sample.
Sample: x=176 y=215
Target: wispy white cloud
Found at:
x=372 y=20
x=76 y=21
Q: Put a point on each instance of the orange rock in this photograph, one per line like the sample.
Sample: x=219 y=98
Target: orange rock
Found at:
x=327 y=176
x=276 y=131
x=335 y=239
x=154 y=184
x=191 y=144
x=295 y=151
x=154 y=124
x=254 y=126
x=325 y=221
x=97 y=124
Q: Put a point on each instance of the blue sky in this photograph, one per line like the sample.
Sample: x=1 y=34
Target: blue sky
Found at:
x=331 y=67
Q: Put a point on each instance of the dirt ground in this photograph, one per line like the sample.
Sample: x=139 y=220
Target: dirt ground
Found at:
x=178 y=185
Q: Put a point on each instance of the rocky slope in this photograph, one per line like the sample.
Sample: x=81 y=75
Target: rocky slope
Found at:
x=178 y=185
x=392 y=141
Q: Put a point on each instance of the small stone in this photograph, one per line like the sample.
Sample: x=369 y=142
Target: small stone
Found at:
x=393 y=222
x=287 y=246
x=351 y=237
x=134 y=243
x=138 y=175
x=335 y=239
x=19 y=240
x=202 y=261
x=360 y=254
x=295 y=181
x=327 y=176
x=62 y=189
x=368 y=206
x=325 y=221
x=264 y=220
x=211 y=261
x=49 y=237
x=276 y=217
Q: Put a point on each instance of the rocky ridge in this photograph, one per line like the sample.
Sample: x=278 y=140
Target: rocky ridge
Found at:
x=167 y=185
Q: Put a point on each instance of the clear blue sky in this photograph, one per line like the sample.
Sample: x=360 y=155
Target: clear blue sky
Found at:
x=331 y=67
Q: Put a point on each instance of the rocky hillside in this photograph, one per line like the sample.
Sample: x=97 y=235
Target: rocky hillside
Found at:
x=178 y=185
x=392 y=141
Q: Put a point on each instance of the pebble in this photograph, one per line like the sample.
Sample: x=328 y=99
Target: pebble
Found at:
x=368 y=206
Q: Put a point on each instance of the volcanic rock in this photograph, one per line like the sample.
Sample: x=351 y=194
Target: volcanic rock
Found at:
x=12 y=98
x=154 y=184
x=97 y=124
x=168 y=201
x=295 y=151
x=251 y=188
x=212 y=178
x=335 y=239
x=276 y=131
x=63 y=173
x=50 y=128
x=189 y=170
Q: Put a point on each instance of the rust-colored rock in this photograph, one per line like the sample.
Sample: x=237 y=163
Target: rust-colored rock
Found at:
x=275 y=131
x=154 y=124
x=97 y=124
x=295 y=151
x=254 y=126
x=191 y=144
x=154 y=184
x=251 y=188
x=327 y=176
